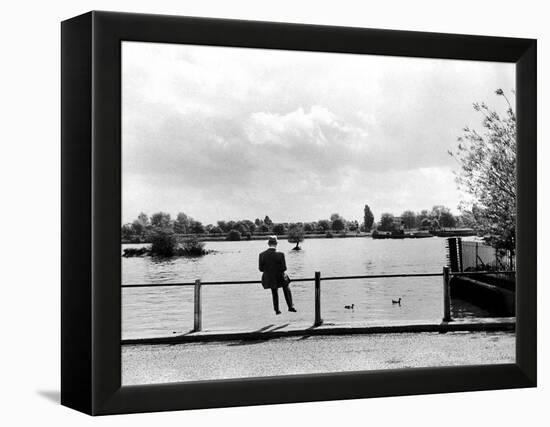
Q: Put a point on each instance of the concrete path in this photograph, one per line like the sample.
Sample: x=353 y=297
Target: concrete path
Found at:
x=286 y=330
x=148 y=364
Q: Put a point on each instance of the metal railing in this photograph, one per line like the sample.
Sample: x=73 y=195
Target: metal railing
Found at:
x=447 y=274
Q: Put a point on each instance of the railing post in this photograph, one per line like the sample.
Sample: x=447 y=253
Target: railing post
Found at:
x=318 y=320
x=197 y=324
x=446 y=294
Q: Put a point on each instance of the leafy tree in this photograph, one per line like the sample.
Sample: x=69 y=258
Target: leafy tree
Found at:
x=324 y=224
x=264 y=228
x=240 y=227
x=182 y=224
x=258 y=222
x=338 y=225
x=353 y=225
x=250 y=225
x=467 y=219
x=444 y=216
x=216 y=230
x=421 y=216
x=267 y=221
x=308 y=227
x=197 y=227
x=368 y=218
x=334 y=217
x=127 y=232
x=296 y=235
x=234 y=235
x=447 y=219
x=137 y=227
x=386 y=222
x=161 y=220
x=163 y=242
x=437 y=210
x=279 y=229
x=426 y=222
x=488 y=173
x=143 y=219
x=409 y=219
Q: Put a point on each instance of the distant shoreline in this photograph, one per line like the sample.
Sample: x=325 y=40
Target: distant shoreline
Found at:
x=444 y=232
x=223 y=238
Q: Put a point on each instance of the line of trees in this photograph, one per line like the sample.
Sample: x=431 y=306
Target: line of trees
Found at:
x=438 y=217
x=232 y=230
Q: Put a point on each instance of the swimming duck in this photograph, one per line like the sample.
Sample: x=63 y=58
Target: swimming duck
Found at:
x=396 y=302
x=349 y=307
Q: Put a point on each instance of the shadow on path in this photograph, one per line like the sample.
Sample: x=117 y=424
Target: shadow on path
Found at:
x=259 y=340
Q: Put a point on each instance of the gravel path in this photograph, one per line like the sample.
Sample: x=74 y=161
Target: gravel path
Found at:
x=149 y=364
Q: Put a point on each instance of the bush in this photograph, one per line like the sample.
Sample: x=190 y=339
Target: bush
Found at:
x=329 y=235
x=192 y=247
x=233 y=235
x=163 y=242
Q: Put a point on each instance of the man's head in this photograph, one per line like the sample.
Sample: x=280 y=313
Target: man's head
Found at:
x=272 y=241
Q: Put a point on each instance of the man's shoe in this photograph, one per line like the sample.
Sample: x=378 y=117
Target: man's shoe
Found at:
x=292 y=309
x=277 y=312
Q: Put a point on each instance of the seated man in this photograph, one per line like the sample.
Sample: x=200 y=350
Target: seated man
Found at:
x=273 y=266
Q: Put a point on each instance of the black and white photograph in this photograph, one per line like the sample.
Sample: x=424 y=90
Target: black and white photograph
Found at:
x=295 y=212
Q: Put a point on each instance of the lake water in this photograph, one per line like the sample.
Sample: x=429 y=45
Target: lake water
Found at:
x=164 y=311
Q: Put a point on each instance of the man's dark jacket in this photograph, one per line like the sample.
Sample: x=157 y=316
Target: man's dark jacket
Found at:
x=273 y=266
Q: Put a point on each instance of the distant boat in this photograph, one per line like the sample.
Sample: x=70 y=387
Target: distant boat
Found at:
x=376 y=234
x=422 y=234
x=452 y=232
x=381 y=234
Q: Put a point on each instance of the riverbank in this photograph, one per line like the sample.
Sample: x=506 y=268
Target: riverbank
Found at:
x=150 y=364
x=223 y=237
x=413 y=233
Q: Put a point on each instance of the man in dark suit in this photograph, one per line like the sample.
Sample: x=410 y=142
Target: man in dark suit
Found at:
x=273 y=266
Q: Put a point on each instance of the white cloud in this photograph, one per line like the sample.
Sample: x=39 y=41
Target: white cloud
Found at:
x=316 y=127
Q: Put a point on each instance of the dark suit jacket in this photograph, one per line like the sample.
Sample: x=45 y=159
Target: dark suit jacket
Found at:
x=273 y=265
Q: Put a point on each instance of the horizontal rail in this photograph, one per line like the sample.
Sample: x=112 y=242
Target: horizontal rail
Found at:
x=233 y=282
x=306 y=279
x=312 y=279
x=381 y=276
x=480 y=273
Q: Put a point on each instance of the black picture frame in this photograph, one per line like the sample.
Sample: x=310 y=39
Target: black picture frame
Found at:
x=91 y=200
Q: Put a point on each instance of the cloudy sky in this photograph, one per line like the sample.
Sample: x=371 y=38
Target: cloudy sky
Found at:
x=235 y=133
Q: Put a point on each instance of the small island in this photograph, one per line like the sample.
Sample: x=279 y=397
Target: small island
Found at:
x=164 y=243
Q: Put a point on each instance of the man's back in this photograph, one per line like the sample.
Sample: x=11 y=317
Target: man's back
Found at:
x=273 y=266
